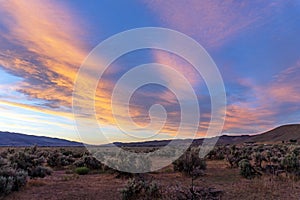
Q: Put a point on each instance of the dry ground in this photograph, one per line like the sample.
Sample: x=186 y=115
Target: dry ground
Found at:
x=105 y=186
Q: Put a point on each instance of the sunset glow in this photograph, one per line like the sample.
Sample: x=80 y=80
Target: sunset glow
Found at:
x=43 y=44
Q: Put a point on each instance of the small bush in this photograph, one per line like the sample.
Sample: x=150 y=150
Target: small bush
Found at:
x=3 y=162
x=82 y=170
x=290 y=163
x=128 y=162
x=191 y=193
x=89 y=162
x=40 y=172
x=57 y=159
x=139 y=188
x=246 y=170
x=29 y=162
x=190 y=163
x=11 y=180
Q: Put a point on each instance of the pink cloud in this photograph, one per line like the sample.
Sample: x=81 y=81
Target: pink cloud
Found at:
x=268 y=102
x=286 y=87
x=212 y=22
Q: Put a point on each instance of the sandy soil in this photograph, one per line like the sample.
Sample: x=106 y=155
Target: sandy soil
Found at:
x=105 y=186
x=65 y=186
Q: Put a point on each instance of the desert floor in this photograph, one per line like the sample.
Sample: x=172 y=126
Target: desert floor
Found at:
x=106 y=186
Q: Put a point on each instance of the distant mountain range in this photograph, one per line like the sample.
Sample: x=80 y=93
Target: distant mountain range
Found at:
x=17 y=139
x=280 y=134
x=284 y=133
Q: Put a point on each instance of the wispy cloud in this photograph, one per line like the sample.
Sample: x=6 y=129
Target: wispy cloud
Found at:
x=41 y=45
x=213 y=22
x=286 y=88
x=265 y=105
x=29 y=120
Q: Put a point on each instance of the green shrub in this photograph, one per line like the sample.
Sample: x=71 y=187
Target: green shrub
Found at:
x=40 y=172
x=82 y=170
x=290 y=163
x=29 y=162
x=190 y=163
x=89 y=162
x=3 y=162
x=180 y=192
x=22 y=160
x=124 y=163
x=6 y=185
x=57 y=159
x=246 y=170
x=139 y=188
x=11 y=180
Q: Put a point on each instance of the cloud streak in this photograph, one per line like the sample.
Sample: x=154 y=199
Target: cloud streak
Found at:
x=42 y=44
x=44 y=49
x=213 y=22
x=266 y=104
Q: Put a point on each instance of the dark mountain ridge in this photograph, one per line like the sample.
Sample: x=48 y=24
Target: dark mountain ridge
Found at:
x=285 y=133
x=17 y=139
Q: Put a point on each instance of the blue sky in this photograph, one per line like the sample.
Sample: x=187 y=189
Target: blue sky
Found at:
x=254 y=44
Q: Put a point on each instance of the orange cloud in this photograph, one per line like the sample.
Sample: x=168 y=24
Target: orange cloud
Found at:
x=45 y=28
x=47 y=53
x=52 y=57
x=53 y=51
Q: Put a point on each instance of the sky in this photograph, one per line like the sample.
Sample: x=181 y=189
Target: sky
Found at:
x=255 y=45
